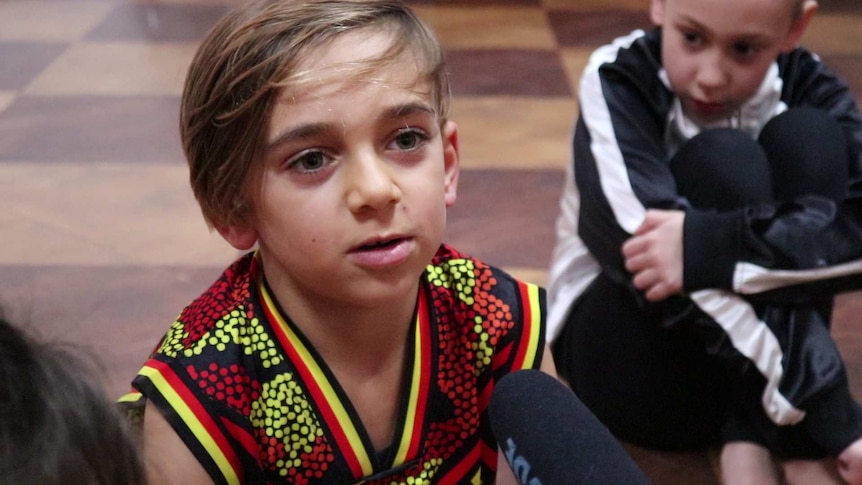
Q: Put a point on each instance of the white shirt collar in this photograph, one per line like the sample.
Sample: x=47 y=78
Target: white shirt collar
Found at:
x=750 y=118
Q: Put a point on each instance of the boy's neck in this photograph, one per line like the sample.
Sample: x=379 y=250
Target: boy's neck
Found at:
x=357 y=337
x=365 y=349
x=364 y=343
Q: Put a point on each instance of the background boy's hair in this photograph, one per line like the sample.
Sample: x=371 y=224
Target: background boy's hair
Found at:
x=57 y=426
x=243 y=64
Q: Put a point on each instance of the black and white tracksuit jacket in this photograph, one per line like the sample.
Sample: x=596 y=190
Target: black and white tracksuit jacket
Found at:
x=629 y=126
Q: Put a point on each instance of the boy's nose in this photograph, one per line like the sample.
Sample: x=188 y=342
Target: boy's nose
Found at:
x=711 y=73
x=371 y=184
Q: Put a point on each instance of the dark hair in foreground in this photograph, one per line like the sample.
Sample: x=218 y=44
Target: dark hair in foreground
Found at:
x=57 y=425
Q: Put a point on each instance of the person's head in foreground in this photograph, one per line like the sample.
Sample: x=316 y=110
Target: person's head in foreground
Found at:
x=57 y=426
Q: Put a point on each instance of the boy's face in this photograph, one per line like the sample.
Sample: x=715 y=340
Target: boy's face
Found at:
x=716 y=52
x=357 y=176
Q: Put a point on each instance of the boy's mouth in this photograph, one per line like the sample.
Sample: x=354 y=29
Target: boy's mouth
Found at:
x=705 y=108
x=383 y=252
x=380 y=244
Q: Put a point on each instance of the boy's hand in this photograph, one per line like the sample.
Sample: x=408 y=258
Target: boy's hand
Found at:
x=850 y=463
x=654 y=254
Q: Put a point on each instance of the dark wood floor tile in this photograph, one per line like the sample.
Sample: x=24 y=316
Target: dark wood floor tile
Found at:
x=847 y=331
x=831 y=6
x=507 y=72
x=592 y=29
x=159 y=22
x=21 y=62
x=665 y=468
x=97 y=128
x=506 y=217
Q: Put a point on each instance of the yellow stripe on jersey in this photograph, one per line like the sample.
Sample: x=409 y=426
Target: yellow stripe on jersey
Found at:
x=190 y=419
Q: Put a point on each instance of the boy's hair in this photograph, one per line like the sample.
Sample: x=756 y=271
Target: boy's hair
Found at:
x=249 y=57
x=56 y=424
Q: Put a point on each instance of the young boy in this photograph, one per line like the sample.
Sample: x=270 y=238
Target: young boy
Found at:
x=350 y=346
x=687 y=248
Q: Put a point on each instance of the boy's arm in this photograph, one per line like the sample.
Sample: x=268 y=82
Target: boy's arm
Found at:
x=505 y=475
x=167 y=459
x=621 y=165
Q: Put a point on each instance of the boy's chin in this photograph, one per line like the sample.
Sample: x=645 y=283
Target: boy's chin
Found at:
x=708 y=115
x=711 y=120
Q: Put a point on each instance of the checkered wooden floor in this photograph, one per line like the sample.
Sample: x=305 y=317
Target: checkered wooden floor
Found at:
x=101 y=242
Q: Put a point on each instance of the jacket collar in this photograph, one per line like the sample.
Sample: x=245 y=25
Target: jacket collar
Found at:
x=750 y=118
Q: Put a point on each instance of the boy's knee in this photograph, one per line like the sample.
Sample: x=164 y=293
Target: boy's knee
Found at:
x=808 y=150
x=722 y=169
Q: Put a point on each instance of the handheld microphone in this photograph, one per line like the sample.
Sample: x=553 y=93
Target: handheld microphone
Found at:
x=549 y=436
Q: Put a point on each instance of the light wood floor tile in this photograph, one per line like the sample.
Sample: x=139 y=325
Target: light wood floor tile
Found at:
x=49 y=21
x=104 y=214
x=117 y=68
x=514 y=133
x=490 y=27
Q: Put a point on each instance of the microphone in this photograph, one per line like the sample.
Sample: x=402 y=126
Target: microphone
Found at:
x=549 y=436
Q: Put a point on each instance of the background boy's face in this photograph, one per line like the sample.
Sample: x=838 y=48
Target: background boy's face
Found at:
x=716 y=52
x=357 y=176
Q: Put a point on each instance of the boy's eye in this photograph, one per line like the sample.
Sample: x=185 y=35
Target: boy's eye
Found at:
x=692 y=38
x=744 y=49
x=409 y=139
x=309 y=161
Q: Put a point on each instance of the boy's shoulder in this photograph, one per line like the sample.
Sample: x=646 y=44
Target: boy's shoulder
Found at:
x=483 y=305
x=642 y=44
x=229 y=292
x=228 y=302
x=799 y=58
x=634 y=58
x=455 y=275
x=450 y=264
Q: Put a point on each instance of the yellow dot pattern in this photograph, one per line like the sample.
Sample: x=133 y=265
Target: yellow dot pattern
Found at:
x=286 y=423
x=456 y=274
x=234 y=328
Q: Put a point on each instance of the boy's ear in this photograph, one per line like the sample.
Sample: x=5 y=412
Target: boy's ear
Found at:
x=809 y=8
x=656 y=11
x=451 y=162
x=240 y=237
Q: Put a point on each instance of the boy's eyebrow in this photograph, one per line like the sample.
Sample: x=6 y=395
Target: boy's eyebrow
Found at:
x=312 y=129
x=753 y=36
x=302 y=131
x=693 y=23
x=407 y=109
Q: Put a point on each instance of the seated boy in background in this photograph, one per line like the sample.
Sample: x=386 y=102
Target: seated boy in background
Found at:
x=712 y=212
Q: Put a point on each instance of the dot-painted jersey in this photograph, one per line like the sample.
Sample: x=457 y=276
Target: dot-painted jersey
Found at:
x=255 y=403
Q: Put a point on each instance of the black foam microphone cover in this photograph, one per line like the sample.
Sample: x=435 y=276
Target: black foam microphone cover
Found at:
x=549 y=436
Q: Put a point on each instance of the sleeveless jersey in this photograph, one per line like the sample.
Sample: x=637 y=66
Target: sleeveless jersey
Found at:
x=255 y=403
